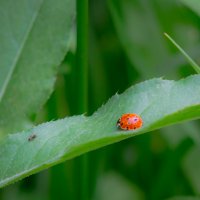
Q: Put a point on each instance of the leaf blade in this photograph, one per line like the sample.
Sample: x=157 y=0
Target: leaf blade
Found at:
x=64 y=139
x=37 y=41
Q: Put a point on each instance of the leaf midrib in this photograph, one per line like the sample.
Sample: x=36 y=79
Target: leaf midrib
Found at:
x=20 y=50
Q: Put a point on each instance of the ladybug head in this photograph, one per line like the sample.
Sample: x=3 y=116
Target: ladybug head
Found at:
x=118 y=123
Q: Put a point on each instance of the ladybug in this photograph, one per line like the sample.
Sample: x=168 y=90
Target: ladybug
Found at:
x=129 y=121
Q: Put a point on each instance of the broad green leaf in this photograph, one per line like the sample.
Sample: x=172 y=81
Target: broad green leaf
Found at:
x=34 y=38
x=159 y=103
x=193 y=4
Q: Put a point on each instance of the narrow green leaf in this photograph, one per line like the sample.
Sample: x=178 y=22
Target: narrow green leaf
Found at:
x=191 y=62
x=34 y=39
x=159 y=103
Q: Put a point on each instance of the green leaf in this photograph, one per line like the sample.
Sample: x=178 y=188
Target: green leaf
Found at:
x=34 y=38
x=190 y=60
x=193 y=4
x=159 y=103
x=130 y=17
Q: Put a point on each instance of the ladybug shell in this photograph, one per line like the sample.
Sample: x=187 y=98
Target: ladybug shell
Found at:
x=129 y=121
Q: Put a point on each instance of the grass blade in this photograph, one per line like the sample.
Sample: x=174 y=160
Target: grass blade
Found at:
x=190 y=61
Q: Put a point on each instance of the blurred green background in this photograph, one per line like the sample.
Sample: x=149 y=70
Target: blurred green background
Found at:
x=126 y=46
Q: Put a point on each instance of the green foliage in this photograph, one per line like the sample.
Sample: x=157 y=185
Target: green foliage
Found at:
x=111 y=181
x=193 y=4
x=184 y=198
x=192 y=63
x=126 y=46
x=34 y=40
x=143 y=41
x=159 y=102
x=191 y=168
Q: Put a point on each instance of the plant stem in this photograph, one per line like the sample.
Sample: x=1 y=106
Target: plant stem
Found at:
x=82 y=90
x=82 y=55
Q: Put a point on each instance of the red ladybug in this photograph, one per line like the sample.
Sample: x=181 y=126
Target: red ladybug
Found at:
x=129 y=121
